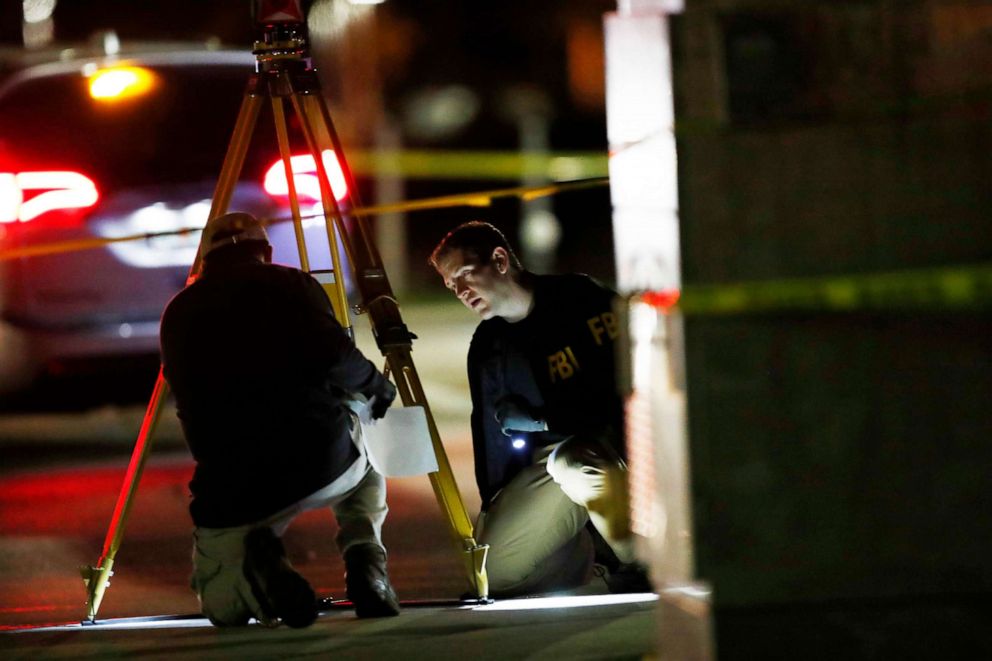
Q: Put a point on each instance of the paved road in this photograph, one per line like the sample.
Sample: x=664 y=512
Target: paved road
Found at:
x=617 y=631
x=62 y=473
x=59 y=480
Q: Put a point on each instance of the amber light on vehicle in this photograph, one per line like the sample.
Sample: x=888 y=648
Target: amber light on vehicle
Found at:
x=26 y=195
x=305 y=177
x=120 y=83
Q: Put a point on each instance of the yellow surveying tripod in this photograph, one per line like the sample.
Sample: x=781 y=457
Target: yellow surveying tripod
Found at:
x=283 y=74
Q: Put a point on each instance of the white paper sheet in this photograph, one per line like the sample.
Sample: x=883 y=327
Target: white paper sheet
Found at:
x=399 y=444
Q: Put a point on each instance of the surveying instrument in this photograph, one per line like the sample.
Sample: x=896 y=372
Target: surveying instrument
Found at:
x=284 y=75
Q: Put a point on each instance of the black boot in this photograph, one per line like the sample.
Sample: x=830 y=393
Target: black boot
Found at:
x=620 y=577
x=280 y=590
x=367 y=582
x=627 y=578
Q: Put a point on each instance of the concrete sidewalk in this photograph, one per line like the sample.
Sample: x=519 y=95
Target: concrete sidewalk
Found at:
x=510 y=629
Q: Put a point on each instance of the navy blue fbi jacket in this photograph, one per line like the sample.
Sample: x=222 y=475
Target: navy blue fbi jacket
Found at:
x=260 y=367
x=559 y=359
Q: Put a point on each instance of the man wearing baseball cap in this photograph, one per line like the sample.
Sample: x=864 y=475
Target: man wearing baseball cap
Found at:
x=262 y=374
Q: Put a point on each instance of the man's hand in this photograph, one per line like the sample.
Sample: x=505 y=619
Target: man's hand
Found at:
x=514 y=414
x=381 y=399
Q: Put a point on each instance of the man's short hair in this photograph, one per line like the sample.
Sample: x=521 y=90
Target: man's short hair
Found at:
x=477 y=240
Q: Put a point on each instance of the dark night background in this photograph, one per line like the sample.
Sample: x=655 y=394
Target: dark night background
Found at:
x=496 y=49
x=840 y=461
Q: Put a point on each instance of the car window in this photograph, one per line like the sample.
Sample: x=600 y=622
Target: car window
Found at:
x=177 y=131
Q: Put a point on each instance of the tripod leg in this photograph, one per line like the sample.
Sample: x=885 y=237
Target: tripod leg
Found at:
x=443 y=481
x=329 y=202
x=282 y=136
x=234 y=161
x=395 y=342
x=333 y=287
x=235 y=158
x=97 y=578
x=323 y=117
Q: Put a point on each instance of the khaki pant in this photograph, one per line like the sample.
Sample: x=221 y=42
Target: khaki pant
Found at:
x=358 y=499
x=534 y=525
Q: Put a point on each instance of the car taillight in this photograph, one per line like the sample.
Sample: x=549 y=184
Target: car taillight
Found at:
x=305 y=177
x=25 y=196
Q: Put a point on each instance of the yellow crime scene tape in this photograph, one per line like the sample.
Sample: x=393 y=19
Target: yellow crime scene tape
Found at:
x=434 y=164
x=917 y=290
x=946 y=288
x=474 y=199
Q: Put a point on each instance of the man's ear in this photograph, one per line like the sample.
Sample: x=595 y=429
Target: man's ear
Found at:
x=501 y=260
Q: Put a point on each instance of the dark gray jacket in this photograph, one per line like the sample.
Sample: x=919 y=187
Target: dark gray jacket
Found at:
x=260 y=368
